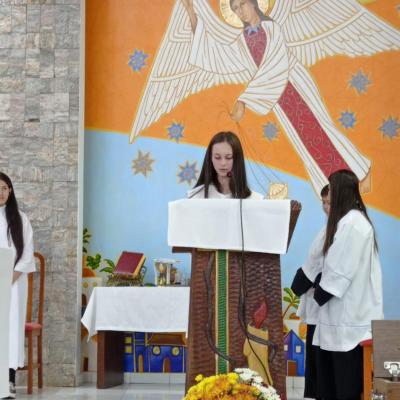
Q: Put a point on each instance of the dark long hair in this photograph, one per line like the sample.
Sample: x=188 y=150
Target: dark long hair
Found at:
x=345 y=196
x=14 y=220
x=208 y=175
x=262 y=16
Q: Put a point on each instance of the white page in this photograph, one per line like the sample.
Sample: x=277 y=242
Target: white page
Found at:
x=217 y=224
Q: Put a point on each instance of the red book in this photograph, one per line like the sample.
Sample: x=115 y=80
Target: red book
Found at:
x=129 y=263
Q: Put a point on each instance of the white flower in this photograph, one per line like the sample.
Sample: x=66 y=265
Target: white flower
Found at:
x=245 y=377
x=245 y=371
x=267 y=393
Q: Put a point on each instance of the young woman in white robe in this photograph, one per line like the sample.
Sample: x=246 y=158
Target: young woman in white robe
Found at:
x=308 y=311
x=223 y=174
x=349 y=292
x=16 y=234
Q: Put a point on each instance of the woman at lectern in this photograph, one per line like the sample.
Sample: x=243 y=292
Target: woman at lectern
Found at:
x=349 y=292
x=223 y=174
x=16 y=234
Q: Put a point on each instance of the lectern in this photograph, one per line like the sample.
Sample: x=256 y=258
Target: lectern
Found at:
x=235 y=247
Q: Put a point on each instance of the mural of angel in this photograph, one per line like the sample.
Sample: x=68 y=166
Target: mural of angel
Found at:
x=269 y=54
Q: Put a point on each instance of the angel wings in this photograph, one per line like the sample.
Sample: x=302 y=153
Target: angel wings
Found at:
x=311 y=30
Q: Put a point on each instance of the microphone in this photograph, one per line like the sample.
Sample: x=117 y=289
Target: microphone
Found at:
x=229 y=174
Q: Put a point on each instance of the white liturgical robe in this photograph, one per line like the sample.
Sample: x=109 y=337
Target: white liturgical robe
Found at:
x=19 y=291
x=308 y=308
x=352 y=273
x=198 y=193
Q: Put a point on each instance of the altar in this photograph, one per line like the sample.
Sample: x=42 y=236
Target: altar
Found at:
x=112 y=311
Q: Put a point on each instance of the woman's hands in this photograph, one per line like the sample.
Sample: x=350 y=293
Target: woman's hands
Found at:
x=238 y=111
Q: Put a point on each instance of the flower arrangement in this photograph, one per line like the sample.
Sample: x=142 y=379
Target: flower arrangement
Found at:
x=242 y=384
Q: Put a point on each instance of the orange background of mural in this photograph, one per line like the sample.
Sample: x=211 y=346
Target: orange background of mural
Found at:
x=115 y=28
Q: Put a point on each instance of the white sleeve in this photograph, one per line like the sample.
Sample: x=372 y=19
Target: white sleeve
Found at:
x=313 y=264
x=26 y=263
x=267 y=85
x=343 y=259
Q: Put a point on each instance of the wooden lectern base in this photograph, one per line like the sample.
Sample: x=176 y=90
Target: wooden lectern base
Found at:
x=262 y=283
x=110 y=359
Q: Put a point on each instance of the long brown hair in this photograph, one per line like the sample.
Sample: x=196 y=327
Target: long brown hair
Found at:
x=345 y=196
x=208 y=175
x=14 y=220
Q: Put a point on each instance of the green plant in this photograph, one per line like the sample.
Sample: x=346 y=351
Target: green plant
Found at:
x=93 y=262
x=110 y=268
x=291 y=299
x=85 y=239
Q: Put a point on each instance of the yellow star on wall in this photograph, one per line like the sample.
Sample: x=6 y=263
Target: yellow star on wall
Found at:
x=142 y=164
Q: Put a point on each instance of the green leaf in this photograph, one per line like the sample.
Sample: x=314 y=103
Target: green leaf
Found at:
x=93 y=262
x=288 y=291
x=287 y=299
x=109 y=262
x=86 y=235
x=109 y=270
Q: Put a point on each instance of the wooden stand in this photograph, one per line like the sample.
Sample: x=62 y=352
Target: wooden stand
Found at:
x=390 y=389
x=261 y=281
x=386 y=347
x=110 y=359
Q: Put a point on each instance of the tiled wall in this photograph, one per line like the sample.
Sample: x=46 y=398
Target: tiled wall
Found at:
x=39 y=113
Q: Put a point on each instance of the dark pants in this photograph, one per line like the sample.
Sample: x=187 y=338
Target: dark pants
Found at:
x=12 y=375
x=310 y=386
x=340 y=374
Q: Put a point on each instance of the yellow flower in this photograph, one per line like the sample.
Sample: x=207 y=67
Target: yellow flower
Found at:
x=233 y=378
x=199 y=378
x=222 y=387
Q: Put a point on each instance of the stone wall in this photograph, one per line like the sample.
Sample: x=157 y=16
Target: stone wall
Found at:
x=39 y=124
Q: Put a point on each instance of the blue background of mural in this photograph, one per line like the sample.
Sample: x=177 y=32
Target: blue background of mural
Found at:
x=129 y=212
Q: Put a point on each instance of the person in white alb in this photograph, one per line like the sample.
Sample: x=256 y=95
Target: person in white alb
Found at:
x=349 y=292
x=223 y=174
x=303 y=286
x=16 y=234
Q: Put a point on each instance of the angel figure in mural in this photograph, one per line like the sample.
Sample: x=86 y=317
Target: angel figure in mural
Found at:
x=269 y=53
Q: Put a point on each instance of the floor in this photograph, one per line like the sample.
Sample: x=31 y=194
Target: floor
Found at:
x=123 y=392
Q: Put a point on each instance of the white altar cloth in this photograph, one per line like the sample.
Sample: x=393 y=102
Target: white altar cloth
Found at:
x=216 y=224
x=137 y=309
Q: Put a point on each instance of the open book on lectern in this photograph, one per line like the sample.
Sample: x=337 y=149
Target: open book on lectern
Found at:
x=219 y=223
